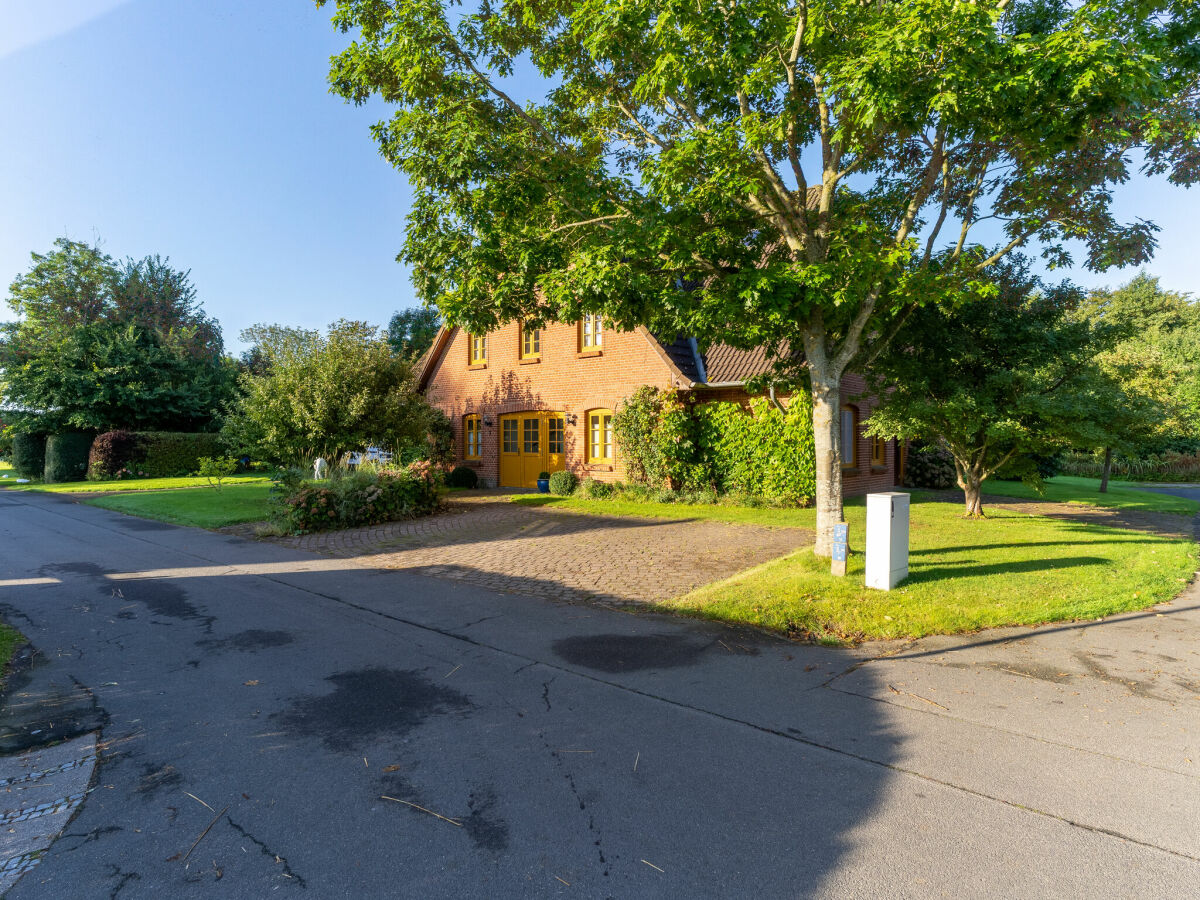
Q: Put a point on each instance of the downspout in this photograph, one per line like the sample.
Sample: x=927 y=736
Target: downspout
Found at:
x=779 y=406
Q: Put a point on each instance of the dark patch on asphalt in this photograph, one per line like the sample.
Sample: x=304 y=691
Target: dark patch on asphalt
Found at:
x=156 y=777
x=487 y=831
x=87 y=837
x=369 y=703
x=616 y=653
x=132 y=524
x=248 y=641
x=126 y=614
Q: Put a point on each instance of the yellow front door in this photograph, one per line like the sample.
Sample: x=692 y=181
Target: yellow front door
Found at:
x=530 y=443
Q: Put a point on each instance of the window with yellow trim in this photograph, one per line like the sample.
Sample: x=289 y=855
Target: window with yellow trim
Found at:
x=878 y=451
x=600 y=436
x=554 y=437
x=477 y=353
x=472 y=448
x=591 y=333
x=849 y=440
x=531 y=343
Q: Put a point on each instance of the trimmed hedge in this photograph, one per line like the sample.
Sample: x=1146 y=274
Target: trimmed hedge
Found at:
x=29 y=455
x=155 y=454
x=930 y=467
x=67 y=456
x=169 y=454
x=718 y=447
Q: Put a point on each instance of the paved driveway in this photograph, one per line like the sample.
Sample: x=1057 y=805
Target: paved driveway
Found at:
x=545 y=552
x=260 y=705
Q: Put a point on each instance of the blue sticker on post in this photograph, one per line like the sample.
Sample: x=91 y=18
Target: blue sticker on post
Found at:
x=841 y=532
x=839 y=552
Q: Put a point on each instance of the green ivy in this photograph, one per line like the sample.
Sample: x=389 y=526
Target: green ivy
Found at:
x=670 y=443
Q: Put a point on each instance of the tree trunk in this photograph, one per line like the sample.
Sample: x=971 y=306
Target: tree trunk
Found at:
x=827 y=441
x=971 y=482
x=1107 y=470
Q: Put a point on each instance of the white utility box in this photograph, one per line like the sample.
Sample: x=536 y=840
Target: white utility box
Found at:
x=887 y=539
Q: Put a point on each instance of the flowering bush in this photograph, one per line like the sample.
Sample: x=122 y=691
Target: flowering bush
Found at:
x=367 y=497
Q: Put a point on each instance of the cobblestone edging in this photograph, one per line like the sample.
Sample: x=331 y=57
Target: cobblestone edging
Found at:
x=29 y=823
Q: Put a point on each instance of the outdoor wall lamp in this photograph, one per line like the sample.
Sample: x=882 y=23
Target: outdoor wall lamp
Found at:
x=489 y=421
x=569 y=418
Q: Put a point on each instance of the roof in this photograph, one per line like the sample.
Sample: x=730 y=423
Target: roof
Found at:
x=717 y=364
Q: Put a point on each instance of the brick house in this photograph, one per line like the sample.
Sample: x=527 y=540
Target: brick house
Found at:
x=526 y=401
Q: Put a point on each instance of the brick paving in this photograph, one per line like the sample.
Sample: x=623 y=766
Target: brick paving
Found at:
x=561 y=555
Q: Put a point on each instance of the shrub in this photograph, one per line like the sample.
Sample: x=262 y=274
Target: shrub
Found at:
x=462 y=477
x=543 y=476
x=563 y=483
x=112 y=453
x=29 y=455
x=168 y=454
x=595 y=490
x=67 y=456
x=930 y=467
x=354 y=499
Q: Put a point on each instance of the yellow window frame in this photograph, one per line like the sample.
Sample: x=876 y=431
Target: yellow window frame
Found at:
x=472 y=438
x=530 y=343
x=477 y=349
x=878 y=451
x=600 y=436
x=591 y=333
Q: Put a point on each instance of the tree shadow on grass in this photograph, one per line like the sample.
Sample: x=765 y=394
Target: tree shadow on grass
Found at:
x=967 y=569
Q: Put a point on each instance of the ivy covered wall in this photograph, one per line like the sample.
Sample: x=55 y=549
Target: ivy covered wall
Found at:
x=669 y=441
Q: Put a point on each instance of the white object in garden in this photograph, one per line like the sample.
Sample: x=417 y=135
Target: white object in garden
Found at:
x=887 y=539
x=320 y=469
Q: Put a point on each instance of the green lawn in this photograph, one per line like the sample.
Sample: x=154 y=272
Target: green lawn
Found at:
x=1086 y=491
x=1008 y=569
x=234 y=503
x=10 y=640
x=133 y=484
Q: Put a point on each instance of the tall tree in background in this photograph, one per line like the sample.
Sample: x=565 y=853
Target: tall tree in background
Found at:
x=411 y=331
x=791 y=175
x=1157 y=363
x=102 y=345
x=996 y=380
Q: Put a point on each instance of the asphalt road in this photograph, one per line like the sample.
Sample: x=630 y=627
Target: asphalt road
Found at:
x=574 y=751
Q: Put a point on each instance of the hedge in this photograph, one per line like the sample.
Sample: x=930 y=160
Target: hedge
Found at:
x=67 y=456
x=29 y=455
x=766 y=451
x=155 y=454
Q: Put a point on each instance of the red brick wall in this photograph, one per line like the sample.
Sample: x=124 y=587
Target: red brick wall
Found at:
x=563 y=381
x=569 y=382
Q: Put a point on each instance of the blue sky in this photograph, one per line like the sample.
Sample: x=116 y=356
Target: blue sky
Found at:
x=203 y=130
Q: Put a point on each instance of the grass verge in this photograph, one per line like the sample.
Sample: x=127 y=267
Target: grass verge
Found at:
x=234 y=503
x=1086 y=492
x=1008 y=569
x=133 y=484
x=10 y=640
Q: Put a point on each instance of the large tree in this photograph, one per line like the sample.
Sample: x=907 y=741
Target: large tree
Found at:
x=798 y=175
x=99 y=344
x=999 y=379
x=326 y=394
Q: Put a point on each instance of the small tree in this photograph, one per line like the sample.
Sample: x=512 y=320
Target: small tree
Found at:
x=994 y=379
x=326 y=394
